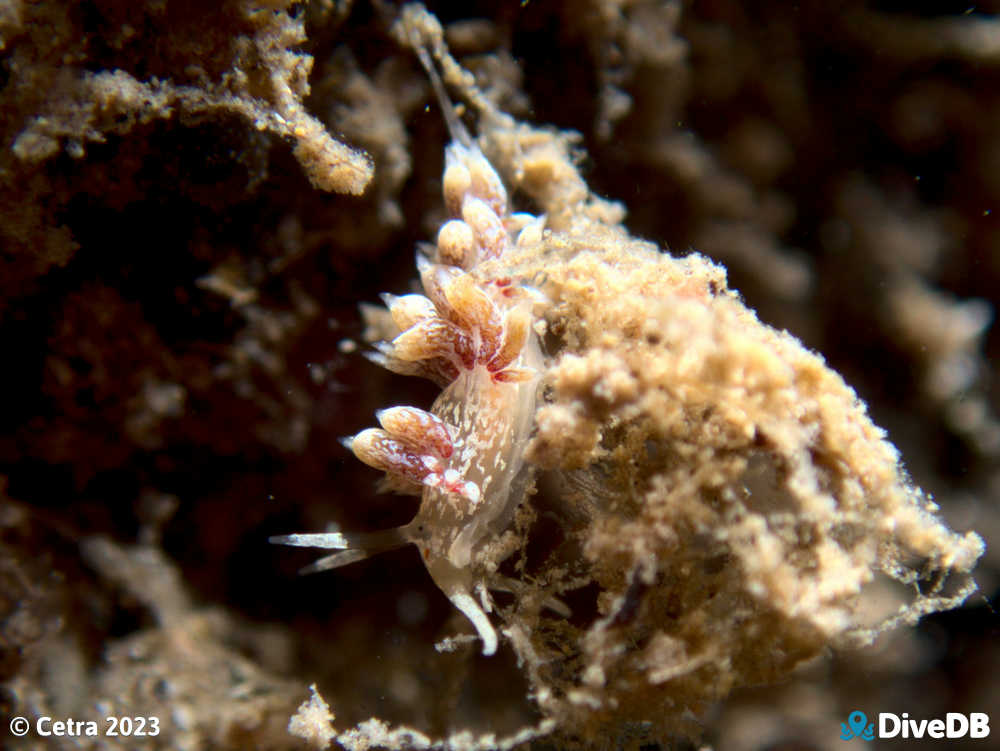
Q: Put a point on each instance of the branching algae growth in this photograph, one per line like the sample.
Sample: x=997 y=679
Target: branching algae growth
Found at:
x=682 y=499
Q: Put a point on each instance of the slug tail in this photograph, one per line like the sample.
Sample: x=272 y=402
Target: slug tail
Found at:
x=458 y=131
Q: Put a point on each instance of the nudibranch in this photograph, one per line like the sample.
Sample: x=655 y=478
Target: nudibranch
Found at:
x=472 y=332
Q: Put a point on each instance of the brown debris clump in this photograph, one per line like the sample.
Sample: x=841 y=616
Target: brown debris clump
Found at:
x=724 y=499
x=238 y=61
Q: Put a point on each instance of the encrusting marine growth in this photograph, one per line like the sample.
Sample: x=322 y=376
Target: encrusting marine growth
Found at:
x=682 y=499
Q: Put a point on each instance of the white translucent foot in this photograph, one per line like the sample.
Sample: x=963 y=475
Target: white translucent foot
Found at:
x=471 y=609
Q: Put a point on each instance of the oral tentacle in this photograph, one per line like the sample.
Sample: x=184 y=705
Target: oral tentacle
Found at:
x=351 y=546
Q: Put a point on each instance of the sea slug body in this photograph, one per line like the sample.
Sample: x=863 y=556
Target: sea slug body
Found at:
x=473 y=334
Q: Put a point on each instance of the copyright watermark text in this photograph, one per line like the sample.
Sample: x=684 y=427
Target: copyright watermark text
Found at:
x=129 y=727
x=953 y=725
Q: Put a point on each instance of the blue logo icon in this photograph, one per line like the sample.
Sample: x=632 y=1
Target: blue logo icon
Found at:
x=857 y=726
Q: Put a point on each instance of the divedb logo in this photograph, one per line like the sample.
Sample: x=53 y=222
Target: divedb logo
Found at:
x=954 y=725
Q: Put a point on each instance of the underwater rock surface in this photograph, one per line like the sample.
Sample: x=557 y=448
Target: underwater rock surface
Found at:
x=184 y=253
